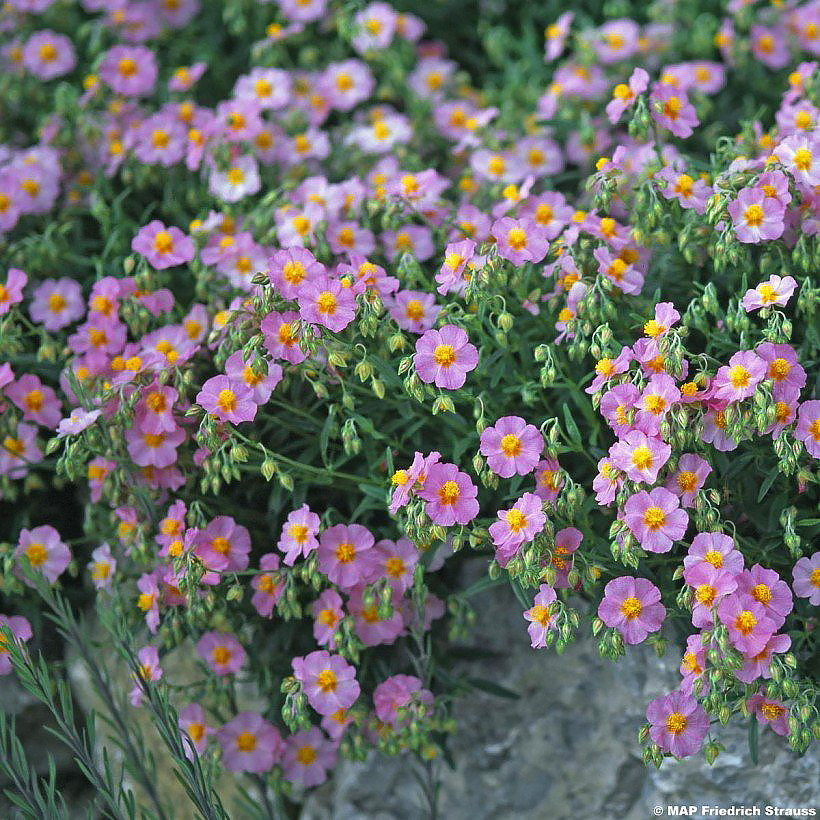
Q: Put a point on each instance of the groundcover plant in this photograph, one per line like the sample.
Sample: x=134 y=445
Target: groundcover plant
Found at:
x=306 y=317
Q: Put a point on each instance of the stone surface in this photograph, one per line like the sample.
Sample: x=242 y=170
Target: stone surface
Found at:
x=568 y=747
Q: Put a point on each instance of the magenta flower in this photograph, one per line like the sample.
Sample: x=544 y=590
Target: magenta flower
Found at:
x=45 y=552
x=327 y=302
x=328 y=681
x=397 y=693
x=739 y=379
x=567 y=542
x=222 y=652
x=758 y=666
x=47 y=55
x=717 y=550
x=149 y=672
x=516 y=526
x=148 y=600
x=307 y=757
x=806 y=574
x=671 y=109
x=656 y=519
x=511 y=446
x=227 y=399
x=807 y=428
x=343 y=554
x=624 y=96
x=770 y=712
x=540 y=617
x=640 y=456
x=710 y=586
x=11 y=293
x=606 y=369
x=689 y=476
x=38 y=401
x=129 y=70
x=617 y=407
x=444 y=357
x=767 y=588
x=224 y=545
x=249 y=743
x=298 y=536
x=520 y=240
x=450 y=496
x=163 y=247
x=776 y=290
x=410 y=480
x=690 y=192
x=756 y=217
x=154 y=449
x=414 y=310
x=281 y=338
x=633 y=607
x=21 y=629
x=800 y=155
x=623 y=274
x=678 y=723
x=746 y=622
x=327 y=612
x=194 y=730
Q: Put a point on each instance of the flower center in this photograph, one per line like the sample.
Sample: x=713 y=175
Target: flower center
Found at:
x=326 y=681
x=517 y=238
x=604 y=367
x=654 y=518
x=511 y=445
x=802 y=159
x=753 y=216
x=672 y=108
x=814 y=578
x=771 y=711
x=444 y=355
x=326 y=303
x=762 y=593
x=449 y=492
x=345 y=553
x=675 y=723
x=745 y=622
x=414 y=310
x=196 y=731
x=226 y=400
x=36 y=554
x=516 y=520
x=686 y=481
x=541 y=615
x=221 y=655
x=127 y=67
x=394 y=567
x=246 y=741
x=306 y=755
x=739 y=376
x=779 y=369
x=221 y=545
x=642 y=457
x=631 y=607
x=705 y=594
x=655 y=404
x=298 y=533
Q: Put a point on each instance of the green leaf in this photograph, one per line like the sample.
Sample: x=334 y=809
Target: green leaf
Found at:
x=493 y=688
x=572 y=428
x=767 y=485
x=753 y=733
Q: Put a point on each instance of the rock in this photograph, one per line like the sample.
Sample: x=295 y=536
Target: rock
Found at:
x=568 y=748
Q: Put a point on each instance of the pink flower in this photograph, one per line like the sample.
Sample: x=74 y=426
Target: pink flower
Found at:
x=540 y=617
x=656 y=519
x=756 y=217
x=327 y=612
x=633 y=607
x=746 y=622
x=21 y=629
x=806 y=574
x=689 y=192
x=671 y=109
x=450 y=496
x=11 y=293
x=47 y=55
x=657 y=399
x=771 y=712
x=395 y=561
x=298 y=536
x=227 y=399
x=444 y=357
x=606 y=368
x=623 y=274
x=195 y=731
x=640 y=456
x=678 y=723
x=624 y=96
x=399 y=692
x=784 y=371
x=327 y=302
x=266 y=585
x=129 y=70
x=249 y=743
x=224 y=545
x=281 y=340
x=57 y=303
x=410 y=480
x=800 y=155
x=511 y=446
x=710 y=585
x=517 y=526
x=567 y=542
x=343 y=554
x=102 y=567
x=149 y=672
x=78 y=421
x=163 y=247
x=617 y=407
x=520 y=240
x=45 y=552
x=148 y=600
x=372 y=627
x=739 y=379
x=307 y=757
x=689 y=476
x=327 y=680
x=222 y=652
x=547 y=479
x=807 y=429
x=715 y=549
x=154 y=449
x=38 y=402
x=767 y=588
x=758 y=666
x=414 y=310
